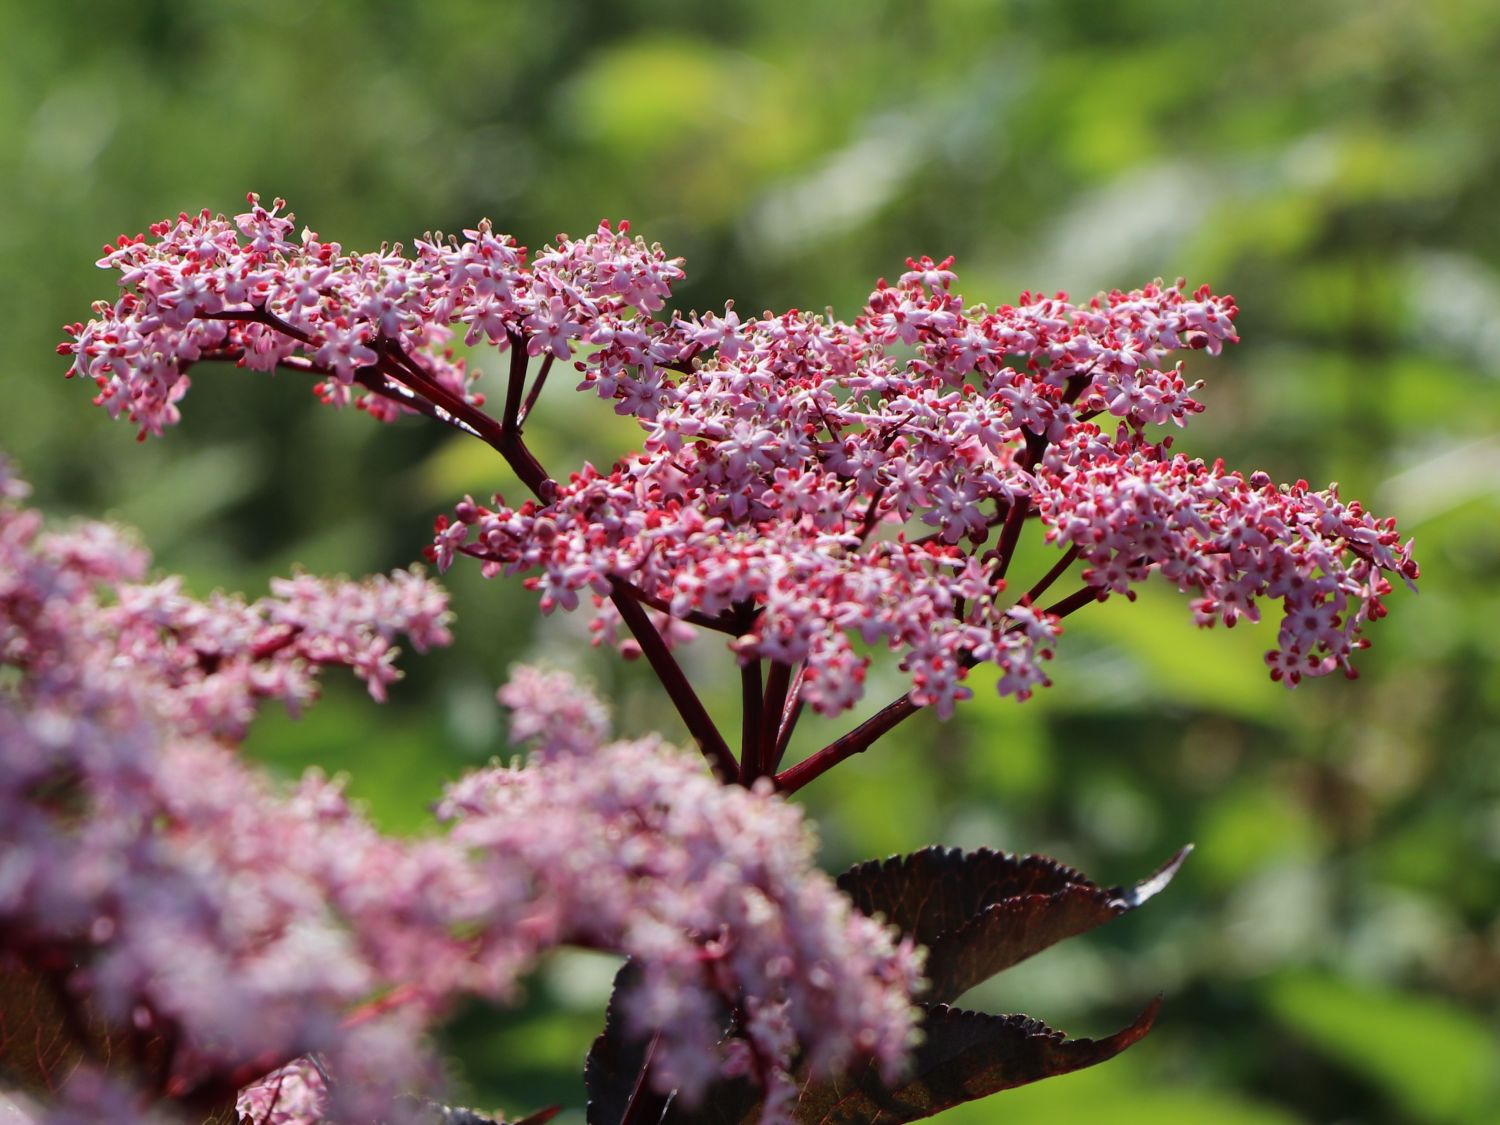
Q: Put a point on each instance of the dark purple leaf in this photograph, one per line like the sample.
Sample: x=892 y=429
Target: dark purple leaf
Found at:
x=965 y=1056
x=981 y=912
x=616 y=1071
x=978 y=913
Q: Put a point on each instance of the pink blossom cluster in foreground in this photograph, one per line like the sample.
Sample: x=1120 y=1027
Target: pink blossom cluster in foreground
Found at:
x=709 y=887
x=807 y=486
x=223 y=927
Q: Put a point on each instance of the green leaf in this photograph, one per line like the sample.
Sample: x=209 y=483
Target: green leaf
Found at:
x=1431 y=1057
x=981 y=912
x=1122 y=1094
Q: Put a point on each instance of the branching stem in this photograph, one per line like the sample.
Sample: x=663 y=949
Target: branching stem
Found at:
x=855 y=742
x=752 y=698
x=536 y=389
x=1045 y=581
x=672 y=677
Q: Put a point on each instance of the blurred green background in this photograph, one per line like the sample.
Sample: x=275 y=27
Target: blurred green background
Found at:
x=1331 y=953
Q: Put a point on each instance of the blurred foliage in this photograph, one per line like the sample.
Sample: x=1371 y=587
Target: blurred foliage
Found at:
x=1332 y=951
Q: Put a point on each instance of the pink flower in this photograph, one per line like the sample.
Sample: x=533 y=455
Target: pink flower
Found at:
x=295 y=1094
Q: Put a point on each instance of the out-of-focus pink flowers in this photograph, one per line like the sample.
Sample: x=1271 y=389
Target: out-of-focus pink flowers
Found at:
x=171 y=890
x=712 y=889
x=162 y=884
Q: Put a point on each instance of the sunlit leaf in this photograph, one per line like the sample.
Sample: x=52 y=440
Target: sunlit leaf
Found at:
x=964 y=1056
x=1123 y=1093
x=980 y=912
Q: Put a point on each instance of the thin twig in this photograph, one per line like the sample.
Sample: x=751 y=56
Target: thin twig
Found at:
x=773 y=709
x=1020 y=507
x=752 y=753
x=863 y=736
x=725 y=623
x=789 y=716
x=506 y=442
x=1046 y=580
x=670 y=673
x=1075 y=601
x=855 y=742
x=536 y=389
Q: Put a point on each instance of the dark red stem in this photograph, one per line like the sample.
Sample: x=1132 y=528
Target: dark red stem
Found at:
x=670 y=673
x=752 y=751
x=863 y=736
x=1020 y=507
x=1045 y=581
x=773 y=708
x=789 y=716
x=536 y=389
x=728 y=623
x=1075 y=601
x=516 y=385
x=855 y=742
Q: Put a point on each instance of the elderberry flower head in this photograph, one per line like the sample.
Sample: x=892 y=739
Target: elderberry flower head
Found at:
x=813 y=488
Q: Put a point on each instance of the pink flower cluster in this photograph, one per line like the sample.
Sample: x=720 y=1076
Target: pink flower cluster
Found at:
x=782 y=471
x=1130 y=509
x=205 y=288
x=787 y=476
x=165 y=886
x=809 y=487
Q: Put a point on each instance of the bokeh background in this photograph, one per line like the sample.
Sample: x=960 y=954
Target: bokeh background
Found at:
x=1331 y=953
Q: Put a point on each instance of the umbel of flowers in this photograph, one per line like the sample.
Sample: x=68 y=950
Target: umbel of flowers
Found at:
x=803 y=483
x=810 y=488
